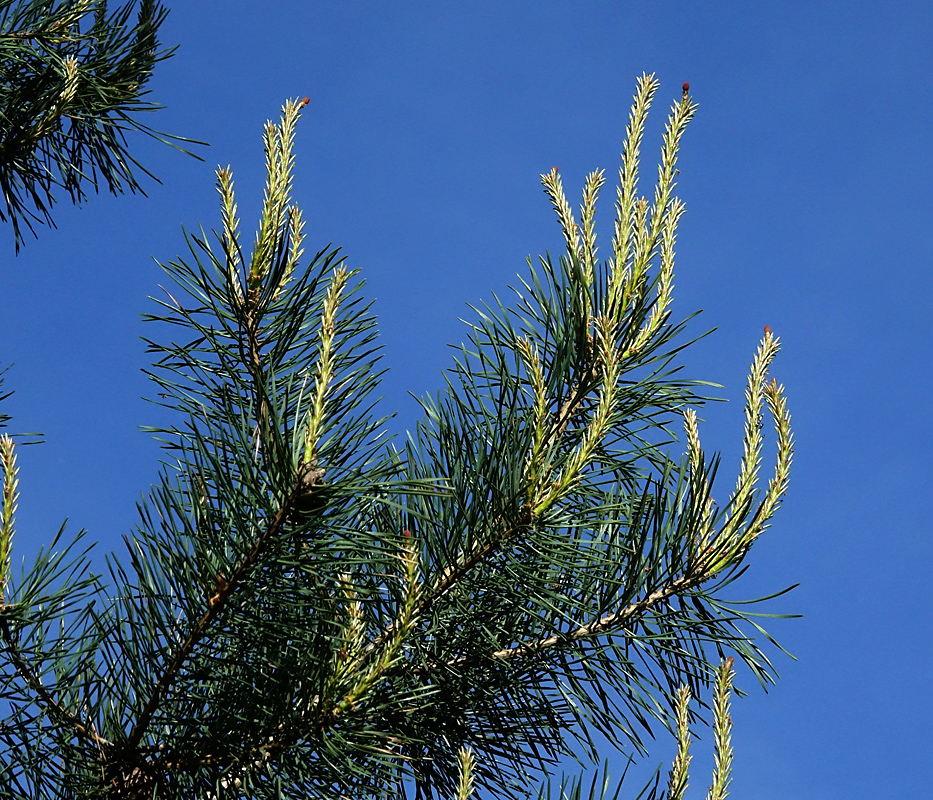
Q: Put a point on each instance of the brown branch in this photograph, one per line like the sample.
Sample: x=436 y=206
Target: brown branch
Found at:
x=594 y=628
x=600 y=624
x=32 y=680
x=225 y=587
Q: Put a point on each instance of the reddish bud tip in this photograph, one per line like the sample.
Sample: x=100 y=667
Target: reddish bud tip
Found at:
x=686 y=87
x=407 y=533
x=767 y=330
x=729 y=662
x=304 y=101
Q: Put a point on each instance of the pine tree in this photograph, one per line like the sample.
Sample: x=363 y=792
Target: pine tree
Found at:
x=73 y=76
x=308 y=609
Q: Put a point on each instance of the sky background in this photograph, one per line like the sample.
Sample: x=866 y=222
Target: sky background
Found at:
x=807 y=176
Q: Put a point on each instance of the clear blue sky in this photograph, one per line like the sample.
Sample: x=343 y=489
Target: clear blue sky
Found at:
x=809 y=188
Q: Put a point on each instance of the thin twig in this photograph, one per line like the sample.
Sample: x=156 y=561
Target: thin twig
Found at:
x=226 y=586
x=41 y=692
x=604 y=623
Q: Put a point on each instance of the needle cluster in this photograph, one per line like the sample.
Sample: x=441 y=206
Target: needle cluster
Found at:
x=309 y=610
x=73 y=78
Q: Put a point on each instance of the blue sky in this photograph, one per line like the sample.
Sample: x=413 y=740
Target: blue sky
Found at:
x=807 y=177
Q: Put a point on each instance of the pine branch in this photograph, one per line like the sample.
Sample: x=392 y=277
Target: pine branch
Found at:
x=226 y=586
x=605 y=624
x=449 y=578
x=534 y=566
x=74 y=79
x=51 y=705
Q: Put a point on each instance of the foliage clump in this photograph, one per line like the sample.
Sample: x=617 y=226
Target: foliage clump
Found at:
x=73 y=77
x=309 y=610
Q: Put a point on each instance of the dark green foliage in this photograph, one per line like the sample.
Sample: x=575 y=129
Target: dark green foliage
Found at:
x=73 y=77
